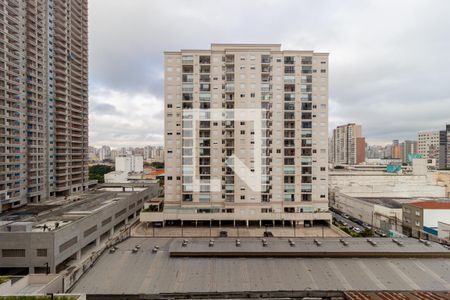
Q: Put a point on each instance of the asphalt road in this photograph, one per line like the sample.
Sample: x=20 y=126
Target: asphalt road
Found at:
x=350 y=223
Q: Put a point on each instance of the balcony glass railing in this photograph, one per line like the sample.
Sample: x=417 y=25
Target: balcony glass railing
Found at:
x=306 y=188
x=289 y=188
x=289 y=169
x=289 y=197
x=289 y=79
x=187 y=87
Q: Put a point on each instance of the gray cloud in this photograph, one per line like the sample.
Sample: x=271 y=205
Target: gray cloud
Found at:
x=389 y=62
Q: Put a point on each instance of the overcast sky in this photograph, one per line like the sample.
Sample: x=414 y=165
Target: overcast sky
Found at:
x=389 y=60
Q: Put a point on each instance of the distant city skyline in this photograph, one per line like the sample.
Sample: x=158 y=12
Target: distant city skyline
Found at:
x=381 y=73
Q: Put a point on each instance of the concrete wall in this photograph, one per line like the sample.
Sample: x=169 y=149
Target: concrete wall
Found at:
x=51 y=283
x=443 y=178
x=377 y=184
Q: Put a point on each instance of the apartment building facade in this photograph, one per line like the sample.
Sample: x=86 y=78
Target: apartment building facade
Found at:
x=349 y=146
x=43 y=99
x=444 y=148
x=246 y=134
x=428 y=144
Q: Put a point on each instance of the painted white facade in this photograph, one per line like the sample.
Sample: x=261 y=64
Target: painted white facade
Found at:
x=130 y=163
x=431 y=217
x=444 y=230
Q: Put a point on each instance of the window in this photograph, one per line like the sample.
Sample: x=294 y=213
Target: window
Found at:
x=252 y=95
x=322 y=168
x=118 y=214
x=90 y=231
x=242 y=197
x=106 y=221
x=69 y=243
x=41 y=252
x=169 y=177
x=242 y=123
x=13 y=252
x=169 y=105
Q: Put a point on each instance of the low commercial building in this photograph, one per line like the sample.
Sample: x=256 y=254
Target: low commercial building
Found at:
x=374 y=196
x=383 y=213
x=50 y=237
x=421 y=218
x=444 y=231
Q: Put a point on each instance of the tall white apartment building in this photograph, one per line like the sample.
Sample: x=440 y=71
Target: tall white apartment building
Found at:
x=129 y=163
x=246 y=134
x=348 y=145
x=43 y=99
x=104 y=153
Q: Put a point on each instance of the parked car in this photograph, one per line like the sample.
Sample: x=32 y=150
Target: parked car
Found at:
x=346 y=216
x=268 y=234
x=357 y=230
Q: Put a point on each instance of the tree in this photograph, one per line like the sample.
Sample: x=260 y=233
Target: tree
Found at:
x=157 y=165
x=97 y=172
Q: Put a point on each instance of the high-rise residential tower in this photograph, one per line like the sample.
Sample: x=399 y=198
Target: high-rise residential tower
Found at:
x=428 y=144
x=349 y=146
x=43 y=99
x=246 y=133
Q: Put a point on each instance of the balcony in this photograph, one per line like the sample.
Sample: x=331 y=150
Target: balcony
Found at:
x=289 y=60
x=266 y=59
x=289 y=106
x=289 y=88
x=188 y=69
x=289 y=79
x=187 y=60
x=306 y=69
x=205 y=60
x=306 y=60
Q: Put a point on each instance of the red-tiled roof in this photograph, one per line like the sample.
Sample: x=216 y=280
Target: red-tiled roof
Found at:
x=157 y=172
x=431 y=205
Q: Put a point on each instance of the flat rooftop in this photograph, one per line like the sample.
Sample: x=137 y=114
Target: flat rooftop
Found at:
x=308 y=247
x=397 y=202
x=145 y=272
x=63 y=210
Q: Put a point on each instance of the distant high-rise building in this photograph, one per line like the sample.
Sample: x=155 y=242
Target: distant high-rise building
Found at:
x=349 y=146
x=44 y=99
x=104 y=153
x=408 y=148
x=444 y=148
x=253 y=136
x=396 y=150
x=428 y=144
x=129 y=163
x=375 y=152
